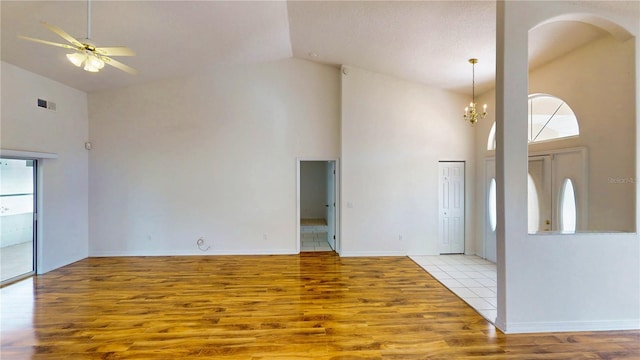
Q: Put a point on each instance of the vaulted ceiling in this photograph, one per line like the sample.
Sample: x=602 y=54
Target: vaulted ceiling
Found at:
x=423 y=41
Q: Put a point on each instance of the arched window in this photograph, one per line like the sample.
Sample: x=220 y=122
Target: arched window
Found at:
x=549 y=118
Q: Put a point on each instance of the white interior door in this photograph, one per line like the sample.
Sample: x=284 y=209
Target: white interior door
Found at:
x=331 y=204
x=451 y=203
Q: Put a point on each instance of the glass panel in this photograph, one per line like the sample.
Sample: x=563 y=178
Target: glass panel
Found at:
x=491 y=142
x=16 y=217
x=568 y=207
x=533 y=206
x=492 y=204
x=550 y=118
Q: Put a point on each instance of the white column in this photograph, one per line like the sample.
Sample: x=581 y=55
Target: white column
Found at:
x=511 y=148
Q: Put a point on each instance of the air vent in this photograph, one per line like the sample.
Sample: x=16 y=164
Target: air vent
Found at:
x=46 y=104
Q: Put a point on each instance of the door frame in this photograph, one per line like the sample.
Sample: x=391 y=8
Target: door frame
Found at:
x=36 y=216
x=41 y=159
x=337 y=198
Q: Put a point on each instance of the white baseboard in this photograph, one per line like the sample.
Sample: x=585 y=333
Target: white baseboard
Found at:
x=540 y=327
x=371 y=253
x=110 y=253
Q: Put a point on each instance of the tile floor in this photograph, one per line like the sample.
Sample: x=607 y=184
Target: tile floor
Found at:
x=472 y=278
x=16 y=260
x=313 y=235
x=316 y=241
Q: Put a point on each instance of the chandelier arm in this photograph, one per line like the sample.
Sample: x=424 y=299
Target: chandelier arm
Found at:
x=545 y=124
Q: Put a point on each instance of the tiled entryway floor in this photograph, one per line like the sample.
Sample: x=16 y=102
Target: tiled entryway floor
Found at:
x=472 y=278
x=313 y=235
x=316 y=241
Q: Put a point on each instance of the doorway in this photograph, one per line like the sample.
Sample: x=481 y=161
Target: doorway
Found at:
x=317 y=206
x=451 y=200
x=17 y=218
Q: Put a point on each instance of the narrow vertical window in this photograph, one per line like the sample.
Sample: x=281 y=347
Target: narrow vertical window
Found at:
x=492 y=204
x=533 y=206
x=568 y=207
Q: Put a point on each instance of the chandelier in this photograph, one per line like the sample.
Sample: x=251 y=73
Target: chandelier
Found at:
x=470 y=112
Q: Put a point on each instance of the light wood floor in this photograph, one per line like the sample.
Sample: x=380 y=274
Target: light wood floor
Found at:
x=308 y=306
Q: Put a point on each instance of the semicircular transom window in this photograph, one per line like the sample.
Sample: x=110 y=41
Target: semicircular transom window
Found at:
x=549 y=118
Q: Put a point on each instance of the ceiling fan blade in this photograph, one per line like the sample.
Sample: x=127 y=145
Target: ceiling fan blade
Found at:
x=115 y=51
x=48 y=42
x=119 y=65
x=64 y=35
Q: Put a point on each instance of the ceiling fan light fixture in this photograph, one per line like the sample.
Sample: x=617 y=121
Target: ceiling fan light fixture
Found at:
x=76 y=58
x=90 y=68
x=95 y=61
x=93 y=58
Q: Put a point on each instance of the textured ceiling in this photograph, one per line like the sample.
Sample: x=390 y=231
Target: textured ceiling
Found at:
x=424 y=41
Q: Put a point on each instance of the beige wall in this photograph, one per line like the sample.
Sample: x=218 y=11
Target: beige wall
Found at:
x=394 y=132
x=597 y=81
x=210 y=156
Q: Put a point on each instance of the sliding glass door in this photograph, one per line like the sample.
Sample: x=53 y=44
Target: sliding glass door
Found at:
x=17 y=218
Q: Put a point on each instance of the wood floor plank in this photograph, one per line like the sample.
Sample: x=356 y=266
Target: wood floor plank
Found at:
x=308 y=306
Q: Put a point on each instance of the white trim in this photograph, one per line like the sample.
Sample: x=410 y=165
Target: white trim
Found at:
x=372 y=253
x=30 y=155
x=337 y=196
x=572 y=326
x=117 y=253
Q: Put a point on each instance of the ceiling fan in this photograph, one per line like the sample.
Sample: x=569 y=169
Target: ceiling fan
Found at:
x=86 y=52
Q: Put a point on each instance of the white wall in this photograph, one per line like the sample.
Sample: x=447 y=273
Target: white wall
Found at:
x=210 y=156
x=555 y=282
x=313 y=189
x=63 y=228
x=394 y=132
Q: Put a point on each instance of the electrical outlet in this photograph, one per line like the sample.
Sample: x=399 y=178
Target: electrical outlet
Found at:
x=201 y=243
